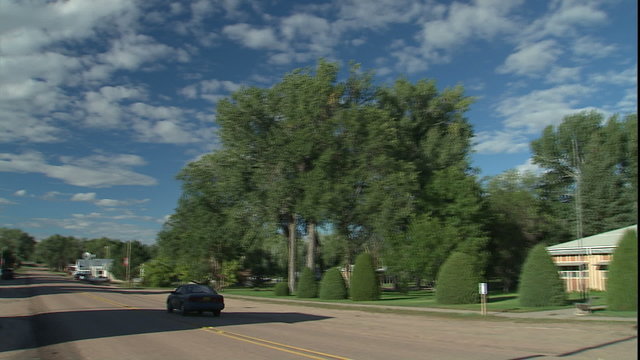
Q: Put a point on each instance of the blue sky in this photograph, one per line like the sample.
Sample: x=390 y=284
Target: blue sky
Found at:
x=103 y=102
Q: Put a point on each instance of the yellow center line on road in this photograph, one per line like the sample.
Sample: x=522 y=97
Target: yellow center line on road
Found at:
x=311 y=354
x=103 y=299
x=274 y=345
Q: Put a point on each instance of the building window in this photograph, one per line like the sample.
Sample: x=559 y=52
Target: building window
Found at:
x=605 y=271
x=573 y=272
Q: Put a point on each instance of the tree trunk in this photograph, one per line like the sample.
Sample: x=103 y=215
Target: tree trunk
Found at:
x=312 y=246
x=292 y=253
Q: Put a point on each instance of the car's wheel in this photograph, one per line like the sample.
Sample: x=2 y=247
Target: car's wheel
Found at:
x=169 y=307
x=216 y=313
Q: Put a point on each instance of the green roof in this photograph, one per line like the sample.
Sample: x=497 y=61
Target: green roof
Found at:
x=605 y=240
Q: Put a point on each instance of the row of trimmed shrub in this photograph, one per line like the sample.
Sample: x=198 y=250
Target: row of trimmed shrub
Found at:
x=364 y=283
x=540 y=283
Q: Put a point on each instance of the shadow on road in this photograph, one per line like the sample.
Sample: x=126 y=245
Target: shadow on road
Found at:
x=49 y=328
x=60 y=327
x=29 y=285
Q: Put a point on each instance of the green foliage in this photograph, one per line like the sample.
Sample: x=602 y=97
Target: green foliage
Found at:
x=589 y=167
x=58 y=251
x=519 y=218
x=140 y=253
x=16 y=245
x=314 y=150
x=622 y=280
x=229 y=273
x=197 y=270
x=540 y=283
x=364 y=280
x=307 y=286
x=281 y=289
x=332 y=286
x=158 y=273
x=458 y=280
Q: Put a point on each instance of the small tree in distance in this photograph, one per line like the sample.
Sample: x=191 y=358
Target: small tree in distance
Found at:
x=308 y=286
x=364 y=281
x=332 y=286
x=281 y=289
x=458 y=280
x=622 y=283
x=540 y=283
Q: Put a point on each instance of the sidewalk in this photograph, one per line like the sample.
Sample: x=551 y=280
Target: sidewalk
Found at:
x=561 y=314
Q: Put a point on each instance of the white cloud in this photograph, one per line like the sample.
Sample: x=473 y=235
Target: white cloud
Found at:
x=537 y=109
x=131 y=51
x=483 y=19
x=103 y=107
x=49 y=83
x=52 y=195
x=84 y=197
x=531 y=59
x=212 y=90
x=29 y=26
x=37 y=69
x=4 y=201
x=496 y=142
x=20 y=193
x=626 y=77
x=529 y=167
x=358 y=14
x=564 y=16
x=629 y=103
x=254 y=38
x=591 y=48
x=164 y=131
x=110 y=202
x=562 y=75
x=94 y=225
x=446 y=29
x=91 y=171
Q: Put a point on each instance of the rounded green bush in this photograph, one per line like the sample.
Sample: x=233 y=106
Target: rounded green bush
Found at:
x=457 y=281
x=622 y=282
x=540 y=283
x=364 y=281
x=281 y=289
x=332 y=286
x=307 y=286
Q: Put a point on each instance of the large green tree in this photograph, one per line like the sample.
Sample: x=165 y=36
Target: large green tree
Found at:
x=214 y=219
x=434 y=138
x=363 y=163
x=588 y=166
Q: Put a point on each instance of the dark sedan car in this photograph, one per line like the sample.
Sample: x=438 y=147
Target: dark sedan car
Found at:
x=194 y=297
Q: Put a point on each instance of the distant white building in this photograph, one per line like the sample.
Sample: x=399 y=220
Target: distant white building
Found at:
x=94 y=268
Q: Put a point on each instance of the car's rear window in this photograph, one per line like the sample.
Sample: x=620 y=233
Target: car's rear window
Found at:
x=201 y=289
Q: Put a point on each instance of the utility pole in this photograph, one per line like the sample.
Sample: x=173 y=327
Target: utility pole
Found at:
x=129 y=263
x=577 y=175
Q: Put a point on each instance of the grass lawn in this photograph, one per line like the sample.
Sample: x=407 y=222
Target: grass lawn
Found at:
x=426 y=299
x=423 y=299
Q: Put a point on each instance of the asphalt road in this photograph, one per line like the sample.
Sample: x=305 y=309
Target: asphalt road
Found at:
x=45 y=316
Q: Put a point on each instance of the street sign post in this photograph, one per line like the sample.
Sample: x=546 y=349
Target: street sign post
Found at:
x=482 y=288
